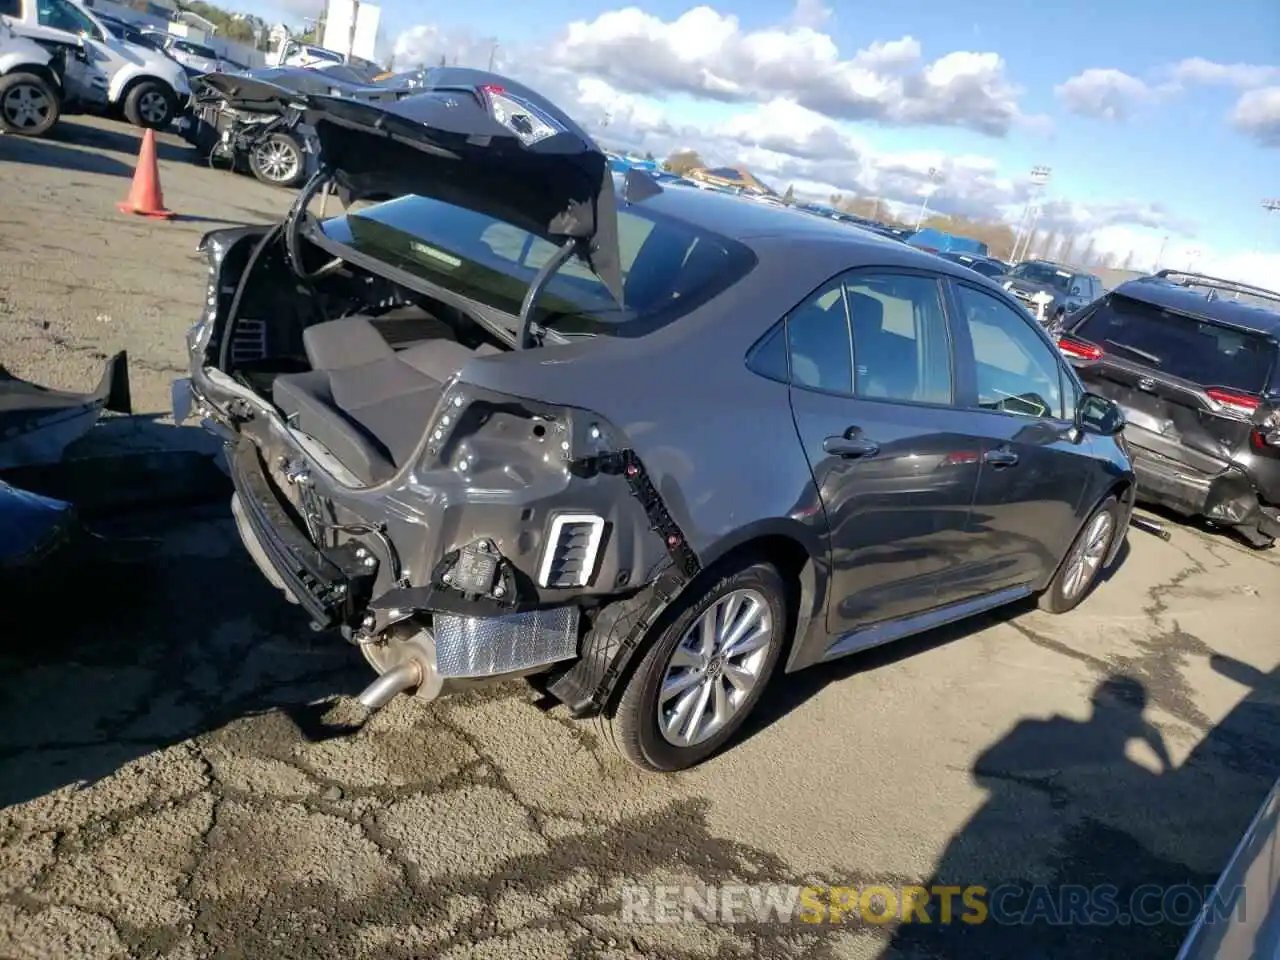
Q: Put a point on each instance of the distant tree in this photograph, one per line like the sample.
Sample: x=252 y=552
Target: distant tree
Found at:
x=649 y=156
x=836 y=199
x=1127 y=264
x=681 y=162
x=1089 y=254
x=1069 y=252
x=790 y=196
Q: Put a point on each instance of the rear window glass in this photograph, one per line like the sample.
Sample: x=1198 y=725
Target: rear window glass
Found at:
x=1205 y=353
x=668 y=267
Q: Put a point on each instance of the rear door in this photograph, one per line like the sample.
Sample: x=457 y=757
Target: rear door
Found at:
x=1188 y=387
x=1036 y=469
x=893 y=467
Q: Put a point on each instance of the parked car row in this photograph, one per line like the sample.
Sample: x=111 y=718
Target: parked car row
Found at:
x=111 y=72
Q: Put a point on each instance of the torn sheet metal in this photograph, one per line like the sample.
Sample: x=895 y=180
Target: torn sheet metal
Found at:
x=37 y=423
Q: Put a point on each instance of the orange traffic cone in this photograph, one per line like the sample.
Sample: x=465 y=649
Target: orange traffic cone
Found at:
x=145 y=198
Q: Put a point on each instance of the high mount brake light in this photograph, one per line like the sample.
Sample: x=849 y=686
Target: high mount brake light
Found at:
x=1079 y=349
x=527 y=121
x=1234 y=401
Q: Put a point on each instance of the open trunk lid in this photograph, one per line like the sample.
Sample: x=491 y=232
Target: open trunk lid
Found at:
x=279 y=87
x=1191 y=388
x=479 y=141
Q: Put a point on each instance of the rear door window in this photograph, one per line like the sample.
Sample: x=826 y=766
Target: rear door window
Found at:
x=901 y=348
x=1206 y=354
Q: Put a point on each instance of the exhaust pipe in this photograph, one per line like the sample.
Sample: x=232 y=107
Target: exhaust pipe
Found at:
x=406 y=661
x=1147 y=525
x=399 y=679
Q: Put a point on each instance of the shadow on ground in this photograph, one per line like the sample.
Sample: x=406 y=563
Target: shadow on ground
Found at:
x=50 y=153
x=120 y=659
x=1085 y=851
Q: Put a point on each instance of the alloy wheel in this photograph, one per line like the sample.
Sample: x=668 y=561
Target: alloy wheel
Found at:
x=714 y=668
x=1087 y=556
x=153 y=107
x=25 y=107
x=278 y=161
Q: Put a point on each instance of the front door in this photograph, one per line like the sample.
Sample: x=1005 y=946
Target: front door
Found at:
x=1035 y=467
x=871 y=391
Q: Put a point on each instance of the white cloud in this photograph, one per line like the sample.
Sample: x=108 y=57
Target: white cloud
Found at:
x=1104 y=93
x=810 y=13
x=707 y=54
x=784 y=137
x=1197 y=70
x=1257 y=115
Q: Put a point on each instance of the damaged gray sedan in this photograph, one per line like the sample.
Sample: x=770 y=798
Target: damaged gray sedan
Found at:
x=506 y=416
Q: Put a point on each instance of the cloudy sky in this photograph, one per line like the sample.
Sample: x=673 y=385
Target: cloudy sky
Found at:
x=1159 y=120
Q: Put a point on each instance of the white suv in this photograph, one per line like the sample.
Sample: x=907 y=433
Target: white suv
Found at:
x=146 y=86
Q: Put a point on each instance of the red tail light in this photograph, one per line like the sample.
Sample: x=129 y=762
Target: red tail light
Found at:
x=1079 y=349
x=493 y=88
x=1237 y=402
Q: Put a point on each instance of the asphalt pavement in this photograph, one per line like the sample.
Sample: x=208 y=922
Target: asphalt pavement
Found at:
x=184 y=772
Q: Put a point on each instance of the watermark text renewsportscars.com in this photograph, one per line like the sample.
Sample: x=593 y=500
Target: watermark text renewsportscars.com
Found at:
x=1007 y=904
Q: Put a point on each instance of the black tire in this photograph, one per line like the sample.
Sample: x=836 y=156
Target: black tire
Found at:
x=632 y=723
x=283 y=148
x=152 y=104
x=1063 y=594
x=40 y=107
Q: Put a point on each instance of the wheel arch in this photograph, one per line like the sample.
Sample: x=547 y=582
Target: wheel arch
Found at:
x=41 y=70
x=594 y=682
x=795 y=549
x=124 y=82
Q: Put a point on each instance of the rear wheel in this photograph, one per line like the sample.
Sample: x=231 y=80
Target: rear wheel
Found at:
x=1079 y=571
x=703 y=674
x=278 y=160
x=150 y=104
x=29 y=105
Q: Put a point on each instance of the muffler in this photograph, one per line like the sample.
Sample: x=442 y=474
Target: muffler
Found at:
x=382 y=691
x=406 y=663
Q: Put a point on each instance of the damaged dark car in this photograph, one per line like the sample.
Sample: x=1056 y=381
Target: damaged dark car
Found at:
x=1193 y=361
x=510 y=416
x=253 y=121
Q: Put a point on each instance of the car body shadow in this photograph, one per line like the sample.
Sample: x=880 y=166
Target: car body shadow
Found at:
x=48 y=152
x=789 y=692
x=118 y=138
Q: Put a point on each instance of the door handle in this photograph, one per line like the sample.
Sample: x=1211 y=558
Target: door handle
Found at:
x=851 y=446
x=1000 y=457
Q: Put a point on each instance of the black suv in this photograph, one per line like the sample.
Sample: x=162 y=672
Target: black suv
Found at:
x=1193 y=362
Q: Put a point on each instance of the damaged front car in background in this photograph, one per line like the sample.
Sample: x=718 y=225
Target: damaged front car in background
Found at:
x=507 y=416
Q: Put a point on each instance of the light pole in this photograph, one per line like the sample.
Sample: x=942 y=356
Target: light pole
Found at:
x=1271 y=204
x=1031 y=212
x=935 y=178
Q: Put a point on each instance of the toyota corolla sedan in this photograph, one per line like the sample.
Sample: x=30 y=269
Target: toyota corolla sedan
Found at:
x=511 y=416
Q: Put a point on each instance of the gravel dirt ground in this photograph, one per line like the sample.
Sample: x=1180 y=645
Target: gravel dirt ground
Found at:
x=183 y=772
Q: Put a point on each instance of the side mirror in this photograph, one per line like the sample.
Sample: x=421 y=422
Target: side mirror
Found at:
x=1097 y=414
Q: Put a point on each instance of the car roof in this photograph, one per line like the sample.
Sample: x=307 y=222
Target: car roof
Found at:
x=1168 y=295
x=774 y=233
